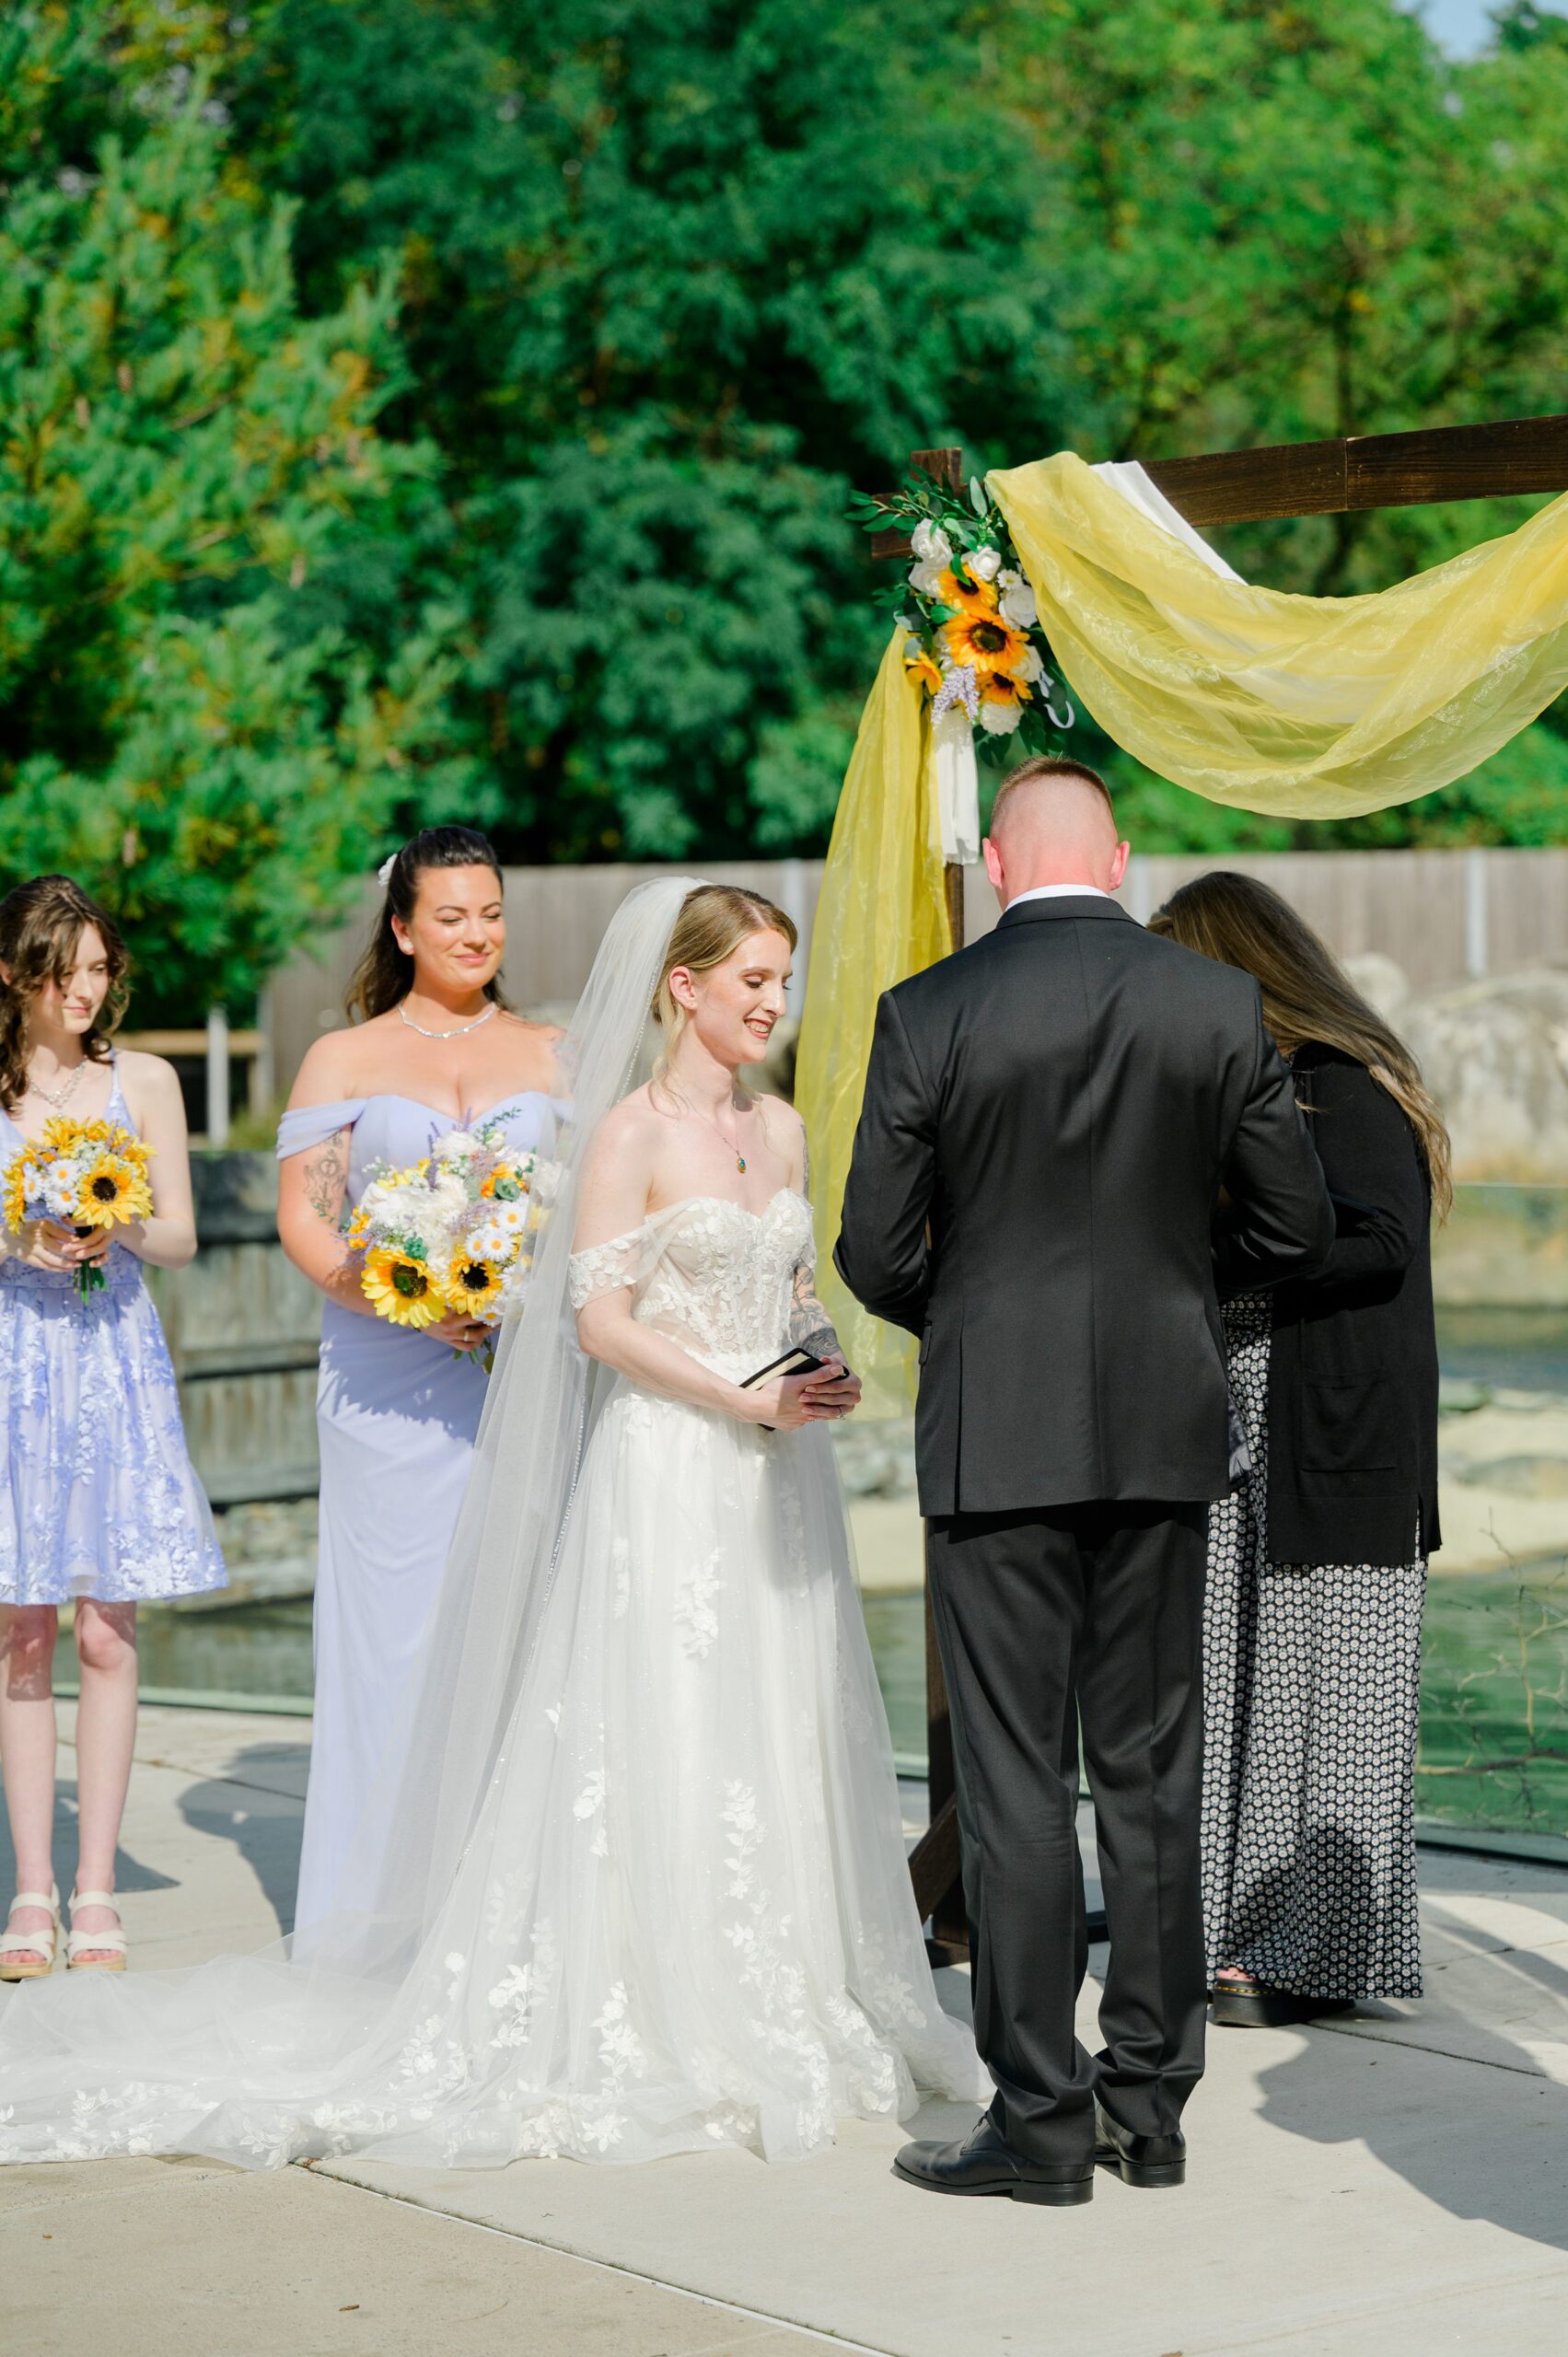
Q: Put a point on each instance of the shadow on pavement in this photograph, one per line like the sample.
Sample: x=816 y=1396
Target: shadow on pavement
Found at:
x=264 y=1824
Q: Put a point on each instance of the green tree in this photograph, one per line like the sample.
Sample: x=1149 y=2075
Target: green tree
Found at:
x=673 y=277
x=182 y=449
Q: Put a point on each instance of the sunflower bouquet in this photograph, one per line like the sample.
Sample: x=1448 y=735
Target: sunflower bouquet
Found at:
x=454 y=1232
x=974 y=641
x=86 y=1175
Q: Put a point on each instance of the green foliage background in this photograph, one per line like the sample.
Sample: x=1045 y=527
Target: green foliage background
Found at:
x=448 y=408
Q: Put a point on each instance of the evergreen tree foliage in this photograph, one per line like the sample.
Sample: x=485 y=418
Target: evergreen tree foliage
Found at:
x=182 y=449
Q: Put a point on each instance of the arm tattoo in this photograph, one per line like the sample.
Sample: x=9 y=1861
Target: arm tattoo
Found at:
x=810 y=1327
x=326 y=1176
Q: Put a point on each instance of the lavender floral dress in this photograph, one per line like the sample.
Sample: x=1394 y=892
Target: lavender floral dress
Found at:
x=98 y=1494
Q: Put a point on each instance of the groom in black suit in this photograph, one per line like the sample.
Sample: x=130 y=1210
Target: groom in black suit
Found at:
x=1050 y=1117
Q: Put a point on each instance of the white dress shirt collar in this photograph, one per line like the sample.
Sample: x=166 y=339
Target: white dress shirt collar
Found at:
x=1058 y=892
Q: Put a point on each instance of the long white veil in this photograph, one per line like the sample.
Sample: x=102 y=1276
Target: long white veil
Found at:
x=256 y=2059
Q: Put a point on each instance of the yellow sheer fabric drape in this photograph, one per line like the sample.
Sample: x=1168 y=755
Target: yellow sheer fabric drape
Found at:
x=881 y=916
x=1305 y=707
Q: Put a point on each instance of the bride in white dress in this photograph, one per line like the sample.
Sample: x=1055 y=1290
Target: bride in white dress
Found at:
x=644 y=1888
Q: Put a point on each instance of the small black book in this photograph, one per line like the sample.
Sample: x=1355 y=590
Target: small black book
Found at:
x=795 y=1362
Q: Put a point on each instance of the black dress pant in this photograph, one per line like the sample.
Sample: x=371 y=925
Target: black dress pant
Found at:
x=1109 y=1598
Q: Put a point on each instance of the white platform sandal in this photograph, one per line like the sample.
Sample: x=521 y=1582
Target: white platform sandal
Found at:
x=29 y=1956
x=103 y=1951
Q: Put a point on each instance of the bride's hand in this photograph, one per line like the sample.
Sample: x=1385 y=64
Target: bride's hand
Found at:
x=785 y=1404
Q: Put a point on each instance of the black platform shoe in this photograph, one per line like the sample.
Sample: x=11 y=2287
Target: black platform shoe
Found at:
x=1140 y=2160
x=983 y=2164
x=1252 y=2004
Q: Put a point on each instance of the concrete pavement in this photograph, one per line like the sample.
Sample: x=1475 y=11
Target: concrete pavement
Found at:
x=1387 y=2185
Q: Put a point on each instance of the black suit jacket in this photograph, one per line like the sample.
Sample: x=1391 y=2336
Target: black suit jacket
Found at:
x=1049 y=1117
x=1353 y=1369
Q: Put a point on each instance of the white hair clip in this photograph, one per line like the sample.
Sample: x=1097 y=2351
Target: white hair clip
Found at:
x=383 y=873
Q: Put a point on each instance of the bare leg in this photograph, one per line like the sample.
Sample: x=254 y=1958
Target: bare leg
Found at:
x=106 y=1734
x=27 y=1748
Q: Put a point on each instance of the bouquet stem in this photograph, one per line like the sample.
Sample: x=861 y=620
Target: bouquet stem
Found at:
x=89 y=1273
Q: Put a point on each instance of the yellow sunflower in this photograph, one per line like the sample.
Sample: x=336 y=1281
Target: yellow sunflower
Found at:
x=472 y=1286
x=985 y=641
x=959 y=588
x=114 y=1191
x=20 y=1178
x=401 y=1288
x=920 y=668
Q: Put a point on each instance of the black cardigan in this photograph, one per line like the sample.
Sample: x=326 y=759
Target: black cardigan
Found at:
x=1352 y=1367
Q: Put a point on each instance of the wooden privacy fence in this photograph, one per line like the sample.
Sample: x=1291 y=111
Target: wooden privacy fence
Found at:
x=1442 y=916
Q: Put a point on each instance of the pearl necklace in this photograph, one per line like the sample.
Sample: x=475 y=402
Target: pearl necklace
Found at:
x=459 y=1033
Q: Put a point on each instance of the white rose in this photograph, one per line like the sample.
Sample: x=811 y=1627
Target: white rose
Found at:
x=926 y=579
x=1030 y=666
x=931 y=543
x=1000 y=719
x=458 y=1146
x=983 y=564
x=1018 y=607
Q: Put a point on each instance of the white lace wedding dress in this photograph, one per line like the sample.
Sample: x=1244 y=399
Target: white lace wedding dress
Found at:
x=683 y=1916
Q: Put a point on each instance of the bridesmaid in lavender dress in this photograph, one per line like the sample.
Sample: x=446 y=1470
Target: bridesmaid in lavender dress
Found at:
x=98 y=1502
x=396 y=1412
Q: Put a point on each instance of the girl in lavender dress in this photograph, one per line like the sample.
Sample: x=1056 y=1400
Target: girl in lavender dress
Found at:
x=97 y=1498
x=397 y=1411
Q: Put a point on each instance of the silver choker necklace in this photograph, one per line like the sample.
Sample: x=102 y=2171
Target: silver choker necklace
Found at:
x=458 y=1034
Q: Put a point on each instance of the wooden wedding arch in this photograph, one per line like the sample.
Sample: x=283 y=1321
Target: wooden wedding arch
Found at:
x=1283 y=481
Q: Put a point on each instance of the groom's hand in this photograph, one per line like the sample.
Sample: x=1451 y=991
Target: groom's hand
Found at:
x=833 y=1391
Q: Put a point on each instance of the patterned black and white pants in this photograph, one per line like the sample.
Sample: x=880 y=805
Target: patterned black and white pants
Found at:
x=1311 y=1677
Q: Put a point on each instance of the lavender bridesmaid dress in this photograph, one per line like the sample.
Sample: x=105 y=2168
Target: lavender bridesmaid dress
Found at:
x=397 y=1415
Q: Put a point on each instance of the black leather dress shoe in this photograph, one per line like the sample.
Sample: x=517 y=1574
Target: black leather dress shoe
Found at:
x=1142 y=2160
x=983 y=2164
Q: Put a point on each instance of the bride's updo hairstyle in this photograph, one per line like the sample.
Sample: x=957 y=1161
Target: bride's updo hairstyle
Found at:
x=41 y=923
x=714 y=921
x=385 y=974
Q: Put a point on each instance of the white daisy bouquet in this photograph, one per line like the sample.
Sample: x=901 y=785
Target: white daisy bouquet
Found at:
x=454 y=1232
x=85 y=1174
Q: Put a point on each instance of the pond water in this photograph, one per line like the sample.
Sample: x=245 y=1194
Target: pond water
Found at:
x=1494 y=1702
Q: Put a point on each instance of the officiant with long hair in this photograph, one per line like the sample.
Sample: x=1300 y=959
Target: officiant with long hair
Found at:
x=1317 y=1567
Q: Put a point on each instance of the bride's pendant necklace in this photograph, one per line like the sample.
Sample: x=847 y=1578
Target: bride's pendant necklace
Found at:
x=57 y=1097
x=461 y=1031
x=732 y=1146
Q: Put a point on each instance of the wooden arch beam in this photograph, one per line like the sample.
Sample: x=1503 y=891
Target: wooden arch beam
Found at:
x=1337 y=478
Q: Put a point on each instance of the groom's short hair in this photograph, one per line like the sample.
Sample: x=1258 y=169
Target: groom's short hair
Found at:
x=1036 y=771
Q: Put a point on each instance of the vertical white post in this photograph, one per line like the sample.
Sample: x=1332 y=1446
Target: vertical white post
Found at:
x=1476 y=946
x=792 y=899
x=218 y=1076
x=263 y=1072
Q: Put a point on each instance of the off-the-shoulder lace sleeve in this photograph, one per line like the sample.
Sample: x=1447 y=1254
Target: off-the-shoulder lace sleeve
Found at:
x=604 y=1268
x=810 y=1327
